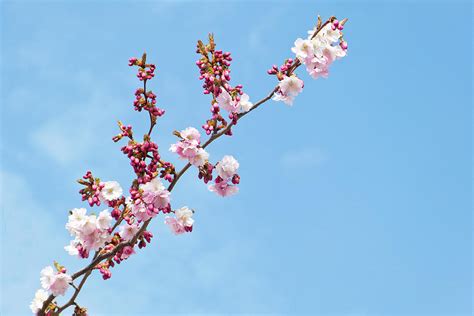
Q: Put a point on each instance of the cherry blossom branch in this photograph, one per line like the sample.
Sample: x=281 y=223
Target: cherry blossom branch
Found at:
x=317 y=53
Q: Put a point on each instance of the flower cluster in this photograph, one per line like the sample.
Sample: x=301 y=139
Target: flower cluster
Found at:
x=91 y=232
x=182 y=222
x=188 y=147
x=321 y=48
x=148 y=200
x=55 y=282
x=214 y=68
x=226 y=182
x=289 y=88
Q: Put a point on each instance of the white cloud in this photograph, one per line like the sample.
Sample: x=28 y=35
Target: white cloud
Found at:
x=67 y=137
x=305 y=157
x=26 y=231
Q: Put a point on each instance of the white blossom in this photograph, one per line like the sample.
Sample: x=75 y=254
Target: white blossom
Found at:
x=200 y=158
x=72 y=247
x=190 y=133
x=104 y=220
x=227 y=167
x=128 y=231
x=40 y=297
x=184 y=216
x=291 y=85
x=47 y=277
x=303 y=48
x=111 y=191
x=244 y=103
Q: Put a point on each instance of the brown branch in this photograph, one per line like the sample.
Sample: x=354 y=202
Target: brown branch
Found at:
x=86 y=271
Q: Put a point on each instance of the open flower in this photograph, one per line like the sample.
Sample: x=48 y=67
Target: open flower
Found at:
x=291 y=85
x=184 y=216
x=111 y=191
x=223 y=188
x=40 y=297
x=303 y=49
x=199 y=158
x=176 y=227
x=104 y=220
x=244 y=104
x=190 y=134
x=127 y=231
x=227 y=167
x=154 y=193
x=57 y=283
x=225 y=101
x=289 y=88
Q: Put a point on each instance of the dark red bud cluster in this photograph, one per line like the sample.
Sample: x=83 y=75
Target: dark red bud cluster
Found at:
x=284 y=69
x=147 y=101
x=138 y=153
x=91 y=190
x=144 y=239
x=205 y=172
x=168 y=171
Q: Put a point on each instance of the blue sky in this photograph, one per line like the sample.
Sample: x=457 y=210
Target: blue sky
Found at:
x=355 y=201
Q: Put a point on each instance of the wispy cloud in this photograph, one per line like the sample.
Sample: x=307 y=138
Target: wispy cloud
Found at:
x=307 y=157
x=66 y=137
x=24 y=225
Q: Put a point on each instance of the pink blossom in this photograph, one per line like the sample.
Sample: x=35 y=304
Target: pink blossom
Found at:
x=227 y=167
x=184 y=216
x=154 y=193
x=225 y=101
x=191 y=133
x=188 y=147
x=176 y=227
x=60 y=284
x=127 y=251
x=128 y=231
x=223 y=189
x=291 y=85
x=57 y=283
x=185 y=148
x=141 y=212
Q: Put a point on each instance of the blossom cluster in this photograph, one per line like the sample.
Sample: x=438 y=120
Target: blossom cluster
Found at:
x=148 y=200
x=214 y=68
x=54 y=282
x=182 y=221
x=322 y=47
x=188 y=147
x=226 y=182
x=91 y=232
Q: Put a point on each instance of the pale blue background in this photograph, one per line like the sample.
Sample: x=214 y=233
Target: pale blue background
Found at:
x=356 y=201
